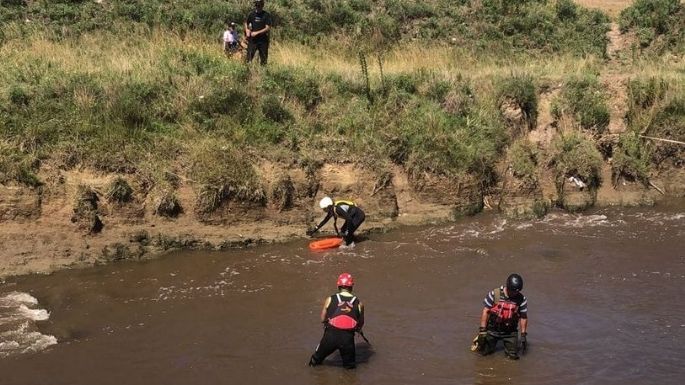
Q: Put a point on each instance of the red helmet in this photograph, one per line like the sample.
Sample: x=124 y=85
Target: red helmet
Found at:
x=346 y=280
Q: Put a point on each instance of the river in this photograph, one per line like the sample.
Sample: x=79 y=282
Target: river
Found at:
x=603 y=290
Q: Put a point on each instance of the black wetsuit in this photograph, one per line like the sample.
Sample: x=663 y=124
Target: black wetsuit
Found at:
x=339 y=339
x=353 y=216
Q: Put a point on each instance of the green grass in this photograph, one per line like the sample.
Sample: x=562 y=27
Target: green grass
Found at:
x=521 y=25
x=140 y=88
x=575 y=155
x=585 y=99
x=658 y=24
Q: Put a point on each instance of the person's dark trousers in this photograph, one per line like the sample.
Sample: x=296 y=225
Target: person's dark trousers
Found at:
x=261 y=45
x=332 y=340
x=510 y=341
x=351 y=225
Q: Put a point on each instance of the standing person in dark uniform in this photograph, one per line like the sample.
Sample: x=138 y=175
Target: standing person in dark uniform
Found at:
x=342 y=315
x=353 y=216
x=257 y=27
x=504 y=309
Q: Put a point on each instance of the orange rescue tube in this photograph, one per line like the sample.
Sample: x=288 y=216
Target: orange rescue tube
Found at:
x=323 y=244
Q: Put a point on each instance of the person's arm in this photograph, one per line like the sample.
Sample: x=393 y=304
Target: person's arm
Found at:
x=248 y=32
x=326 y=303
x=329 y=214
x=484 y=318
x=524 y=325
x=266 y=29
x=360 y=324
x=267 y=26
x=488 y=303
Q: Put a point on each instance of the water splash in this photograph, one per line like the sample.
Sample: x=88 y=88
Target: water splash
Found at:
x=19 y=314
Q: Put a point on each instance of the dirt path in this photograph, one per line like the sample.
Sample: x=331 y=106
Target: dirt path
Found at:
x=614 y=78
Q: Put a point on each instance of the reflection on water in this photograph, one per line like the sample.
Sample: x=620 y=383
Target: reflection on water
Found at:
x=599 y=288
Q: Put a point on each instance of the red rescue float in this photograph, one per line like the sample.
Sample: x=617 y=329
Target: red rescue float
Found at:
x=323 y=244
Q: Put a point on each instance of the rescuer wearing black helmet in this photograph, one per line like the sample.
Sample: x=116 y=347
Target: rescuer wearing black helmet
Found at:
x=504 y=309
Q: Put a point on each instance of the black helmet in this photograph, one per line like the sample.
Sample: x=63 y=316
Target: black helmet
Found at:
x=514 y=283
x=259 y=3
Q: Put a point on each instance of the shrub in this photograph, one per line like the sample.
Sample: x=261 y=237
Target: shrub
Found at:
x=223 y=173
x=459 y=101
x=132 y=105
x=168 y=205
x=631 y=159
x=669 y=122
x=524 y=160
x=404 y=82
x=522 y=91
x=645 y=93
x=86 y=209
x=654 y=14
x=209 y=198
x=438 y=90
x=228 y=102
x=303 y=87
x=119 y=191
x=19 y=96
x=573 y=155
x=273 y=109
x=282 y=192
x=18 y=167
x=566 y=10
x=585 y=98
x=656 y=18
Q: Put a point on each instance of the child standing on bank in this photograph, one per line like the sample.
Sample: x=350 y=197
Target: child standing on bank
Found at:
x=230 y=39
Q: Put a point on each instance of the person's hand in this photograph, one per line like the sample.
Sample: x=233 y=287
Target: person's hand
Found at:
x=524 y=343
x=482 y=333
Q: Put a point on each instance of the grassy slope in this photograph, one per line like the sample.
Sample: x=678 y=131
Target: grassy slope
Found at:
x=160 y=97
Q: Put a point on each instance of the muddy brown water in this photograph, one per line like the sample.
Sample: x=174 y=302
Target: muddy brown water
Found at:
x=604 y=293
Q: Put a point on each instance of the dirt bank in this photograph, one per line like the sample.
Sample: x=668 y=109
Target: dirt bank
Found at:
x=41 y=231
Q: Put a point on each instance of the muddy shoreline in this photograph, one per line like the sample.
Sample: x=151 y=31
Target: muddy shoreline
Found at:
x=40 y=233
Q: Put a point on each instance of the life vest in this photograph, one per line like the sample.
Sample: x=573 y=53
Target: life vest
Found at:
x=343 y=208
x=343 y=313
x=344 y=202
x=504 y=313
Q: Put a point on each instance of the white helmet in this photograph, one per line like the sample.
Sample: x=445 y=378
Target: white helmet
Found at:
x=325 y=202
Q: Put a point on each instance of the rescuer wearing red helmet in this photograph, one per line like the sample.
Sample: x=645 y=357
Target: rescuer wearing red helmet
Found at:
x=342 y=316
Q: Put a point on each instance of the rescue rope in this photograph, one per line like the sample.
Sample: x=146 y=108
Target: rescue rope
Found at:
x=662 y=140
